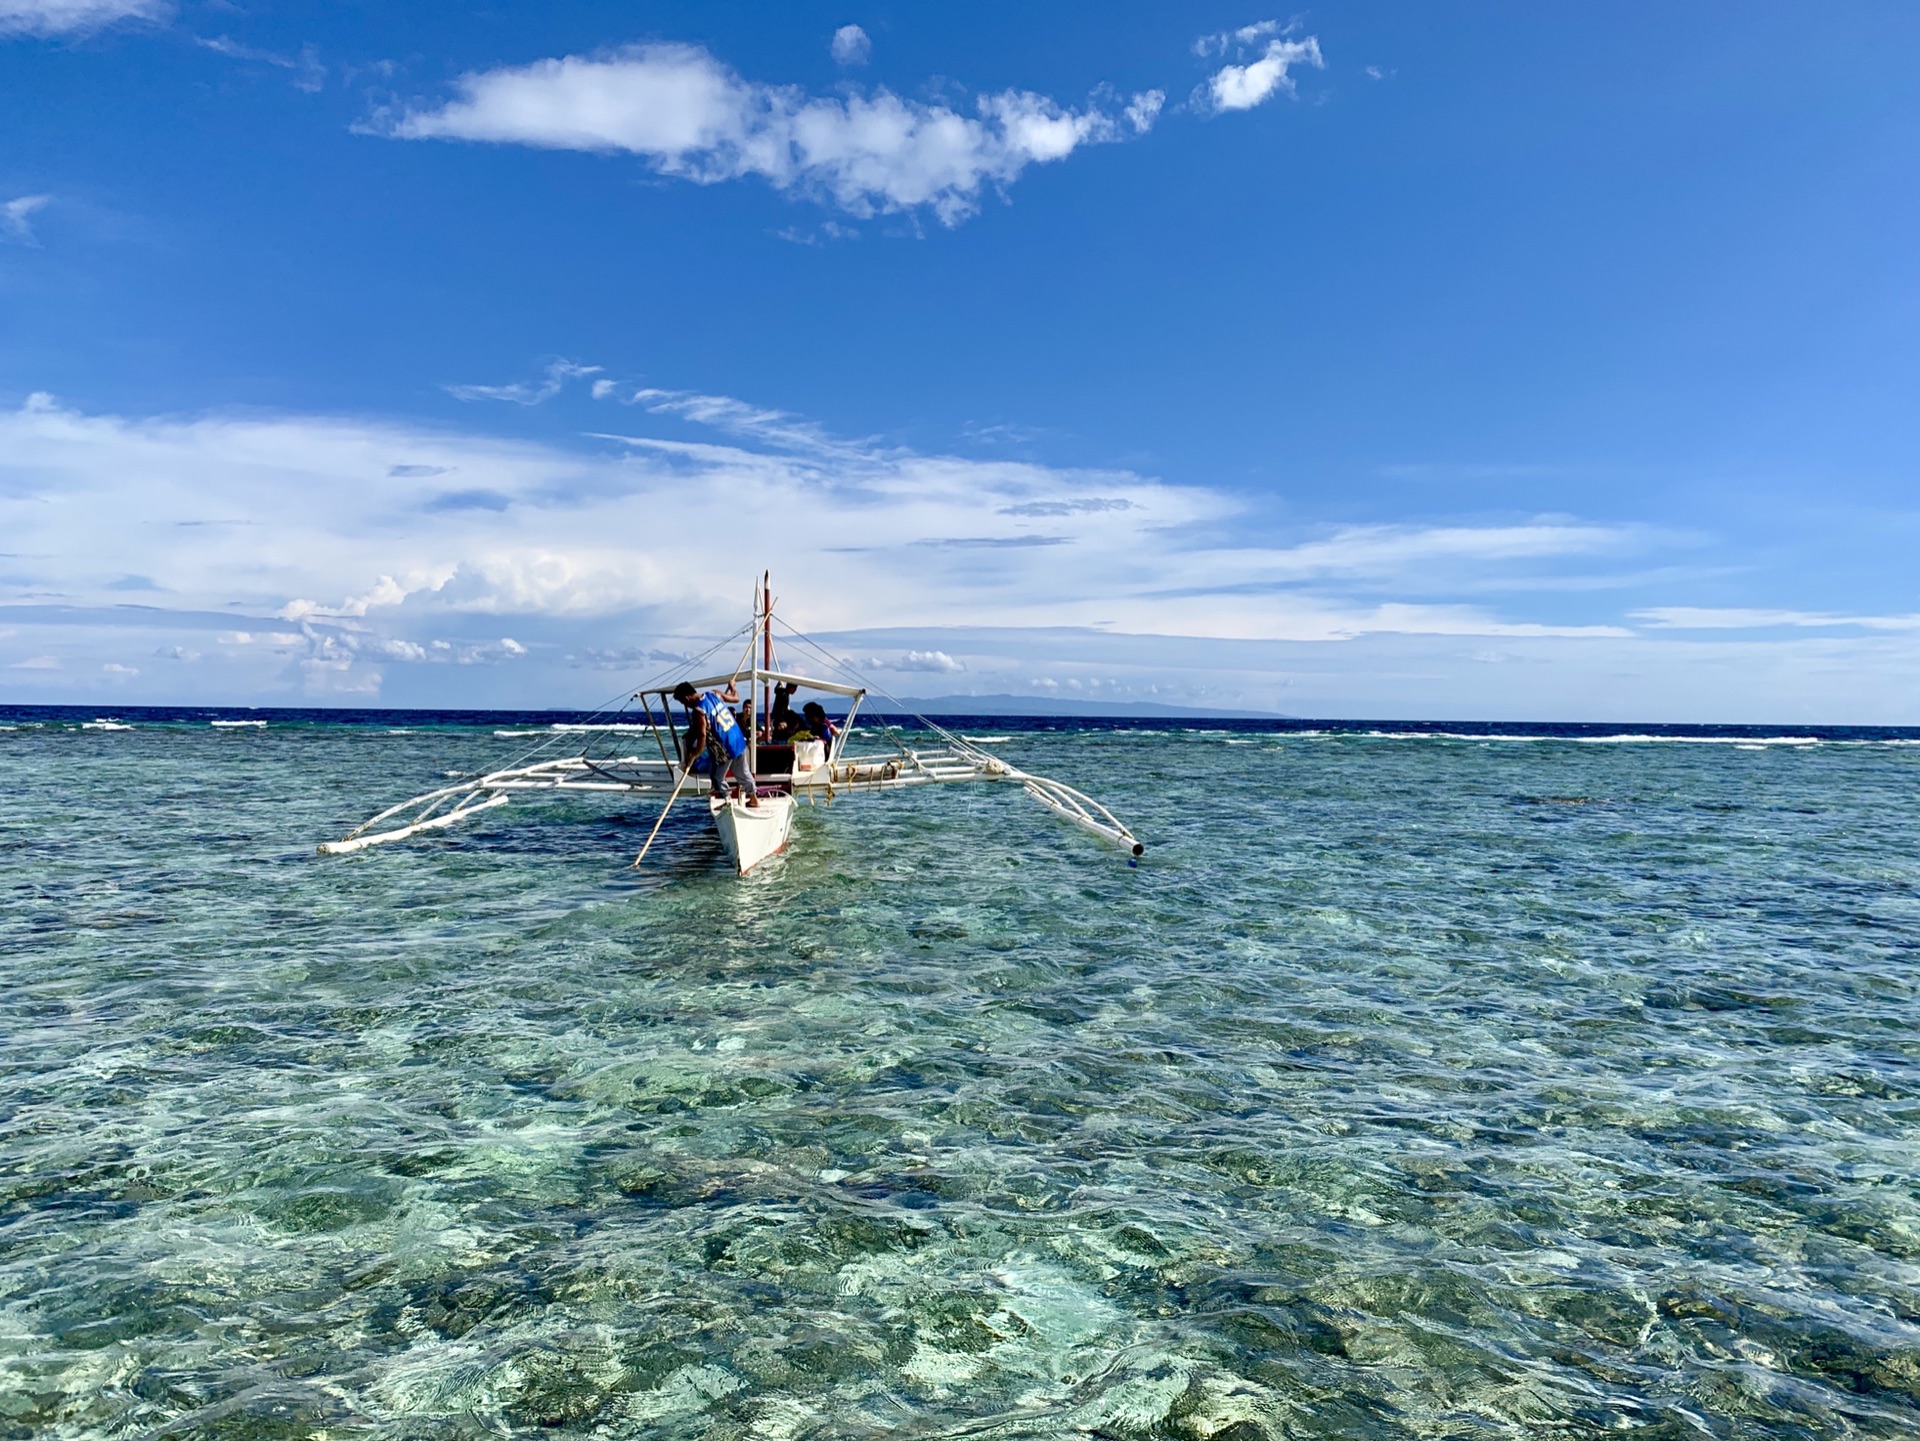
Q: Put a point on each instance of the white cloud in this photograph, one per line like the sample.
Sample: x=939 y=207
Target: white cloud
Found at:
x=1226 y=40
x=851 y=45
x=550 y=563
x=1683 y=617
x=349 y=547
x=114 y=668
x=271 y=638
x=16 y=217
x=1252 y=82
x=60 y=17
x=752 y=422
x=557 y=374
x=1144 y=109
x=309 y=74
x=691 y=116
x=1376 y=550
x=937 y=661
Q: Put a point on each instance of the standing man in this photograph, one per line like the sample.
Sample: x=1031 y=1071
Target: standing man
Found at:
x=711 y=723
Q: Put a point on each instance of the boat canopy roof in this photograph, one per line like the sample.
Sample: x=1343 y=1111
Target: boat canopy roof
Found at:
x=757 y=676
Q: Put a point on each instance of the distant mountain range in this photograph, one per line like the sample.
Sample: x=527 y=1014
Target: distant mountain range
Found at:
x=966 y=705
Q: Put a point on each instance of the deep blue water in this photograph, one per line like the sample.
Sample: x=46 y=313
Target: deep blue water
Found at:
x=1425 y=1081
x=384 y=718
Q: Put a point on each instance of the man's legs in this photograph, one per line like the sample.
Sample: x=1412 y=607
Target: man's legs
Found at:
x=738 y=765
x=749 y=788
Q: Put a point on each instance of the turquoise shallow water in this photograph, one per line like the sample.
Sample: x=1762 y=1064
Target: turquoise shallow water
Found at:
x=1410 y=1088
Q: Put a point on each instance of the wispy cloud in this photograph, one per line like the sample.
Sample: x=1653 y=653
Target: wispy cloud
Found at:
x=691 y=116
x=520 y=393
x=752 y=422
x=1223 y=41
x=1263 y=66
x=308 y=73
x=1385 y=550
x=1683 y=617
x=65 y=17
x=16 y=217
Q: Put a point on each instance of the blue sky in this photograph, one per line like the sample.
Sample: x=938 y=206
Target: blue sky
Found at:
x=1493 y=360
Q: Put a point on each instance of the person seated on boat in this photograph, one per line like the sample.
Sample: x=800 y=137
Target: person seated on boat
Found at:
x=712 y=724
x=818 y=726
x=785 y=723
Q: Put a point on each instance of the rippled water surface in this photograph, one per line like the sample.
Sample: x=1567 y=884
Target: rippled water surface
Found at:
x=1411 y=1087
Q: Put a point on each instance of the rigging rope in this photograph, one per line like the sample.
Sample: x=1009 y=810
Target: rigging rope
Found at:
x=959 y=743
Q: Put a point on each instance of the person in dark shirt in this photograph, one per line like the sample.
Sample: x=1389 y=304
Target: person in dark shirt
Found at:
x=786 y=723
x=818 y=726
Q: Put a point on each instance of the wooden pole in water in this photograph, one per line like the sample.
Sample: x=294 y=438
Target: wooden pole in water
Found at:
x=686 y=770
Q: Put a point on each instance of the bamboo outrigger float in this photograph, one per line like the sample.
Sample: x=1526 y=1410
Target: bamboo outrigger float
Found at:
x=751 y=833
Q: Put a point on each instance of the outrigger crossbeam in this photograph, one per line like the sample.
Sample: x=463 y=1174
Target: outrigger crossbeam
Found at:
x=782 y=771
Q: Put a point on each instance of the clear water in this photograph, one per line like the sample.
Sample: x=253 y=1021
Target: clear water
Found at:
x=1412 y=1087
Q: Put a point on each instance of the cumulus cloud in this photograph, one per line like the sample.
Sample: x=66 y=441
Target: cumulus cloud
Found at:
x=935 y=661
x=1265 y=58
x=1144 y=108
x=851 y=45
x=16 y=217
x=690 y=116
x=64 y=17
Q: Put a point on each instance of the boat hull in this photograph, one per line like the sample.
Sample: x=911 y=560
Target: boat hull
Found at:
x=751 y=834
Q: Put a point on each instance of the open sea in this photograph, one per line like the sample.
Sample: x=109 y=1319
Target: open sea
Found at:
x=1420 y=1082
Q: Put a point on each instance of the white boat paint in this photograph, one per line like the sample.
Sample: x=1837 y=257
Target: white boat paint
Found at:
x=752 y=833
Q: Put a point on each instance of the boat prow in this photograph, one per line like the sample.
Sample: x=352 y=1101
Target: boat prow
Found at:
x=752 y=833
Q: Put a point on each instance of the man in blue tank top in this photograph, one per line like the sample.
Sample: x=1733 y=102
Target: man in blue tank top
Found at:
x=711 y=724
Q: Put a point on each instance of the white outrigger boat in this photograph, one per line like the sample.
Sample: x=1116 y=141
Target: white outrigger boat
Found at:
x=750 y=829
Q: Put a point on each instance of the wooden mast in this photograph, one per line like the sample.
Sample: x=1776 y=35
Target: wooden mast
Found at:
x=766 y=650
